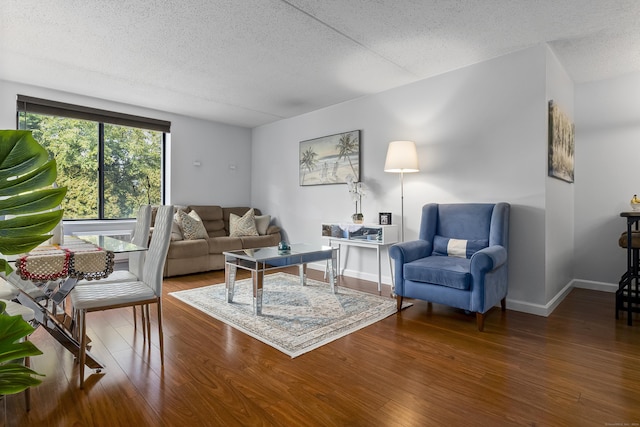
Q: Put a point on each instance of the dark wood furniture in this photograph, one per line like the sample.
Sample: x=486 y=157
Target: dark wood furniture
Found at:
x=628 y=293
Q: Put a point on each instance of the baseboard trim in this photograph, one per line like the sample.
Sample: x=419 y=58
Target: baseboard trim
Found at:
x=512 y=304
x=547 y=309
x=540 y=309
x=595 y=286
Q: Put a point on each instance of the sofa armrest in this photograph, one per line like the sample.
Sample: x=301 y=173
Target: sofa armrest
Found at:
x=273 y=229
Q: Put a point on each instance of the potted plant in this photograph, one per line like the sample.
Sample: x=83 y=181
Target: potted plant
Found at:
x=357 y=190
x=27 y=175
x=14 y=375
x=28 y=202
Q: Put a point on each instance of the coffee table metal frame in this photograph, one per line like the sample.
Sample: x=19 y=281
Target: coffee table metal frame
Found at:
x=260 y=260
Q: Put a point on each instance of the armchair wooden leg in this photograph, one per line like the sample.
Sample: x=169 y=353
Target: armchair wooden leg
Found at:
x=503 y=303
x=399 y=302
x=480 y=321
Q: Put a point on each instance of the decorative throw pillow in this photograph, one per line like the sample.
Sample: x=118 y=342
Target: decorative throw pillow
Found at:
x=262 y=224
x=176 y=233
x=191 y=225
x=244 y=225
x=457 y=247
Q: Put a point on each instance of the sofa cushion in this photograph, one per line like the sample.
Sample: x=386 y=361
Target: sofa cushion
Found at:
x=211 y=217
x=262 y=223
x=224 y=243
x=452 y=272
x=242 y=226
x=457 y=247
x=188 y=249
x=191 y=225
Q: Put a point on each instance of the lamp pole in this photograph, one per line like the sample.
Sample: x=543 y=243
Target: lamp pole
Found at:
x=402 y=205
x=402 y=157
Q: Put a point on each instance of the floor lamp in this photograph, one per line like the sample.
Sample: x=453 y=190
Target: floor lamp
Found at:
x=402 y=158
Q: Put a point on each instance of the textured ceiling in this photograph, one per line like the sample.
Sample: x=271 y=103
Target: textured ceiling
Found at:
x=250 y=62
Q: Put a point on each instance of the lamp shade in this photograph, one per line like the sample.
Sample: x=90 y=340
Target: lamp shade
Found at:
x=402 y=157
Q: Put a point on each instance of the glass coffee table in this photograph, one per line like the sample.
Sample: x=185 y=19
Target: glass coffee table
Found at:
x=260 y=260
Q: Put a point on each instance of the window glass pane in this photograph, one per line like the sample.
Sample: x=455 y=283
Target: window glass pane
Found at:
x=74 y=144
x=132 y=164
x=132 y=170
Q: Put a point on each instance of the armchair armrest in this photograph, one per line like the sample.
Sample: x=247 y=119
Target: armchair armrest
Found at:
x=410 y=251
x=488 y=259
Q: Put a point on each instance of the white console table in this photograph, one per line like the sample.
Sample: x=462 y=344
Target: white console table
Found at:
x=372 y=236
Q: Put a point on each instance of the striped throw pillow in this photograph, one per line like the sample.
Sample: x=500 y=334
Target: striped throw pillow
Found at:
x=457 y=247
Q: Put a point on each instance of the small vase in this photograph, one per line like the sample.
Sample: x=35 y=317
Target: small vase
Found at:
x=358 y=218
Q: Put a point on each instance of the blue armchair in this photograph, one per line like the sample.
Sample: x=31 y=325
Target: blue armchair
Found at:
x=459 y=259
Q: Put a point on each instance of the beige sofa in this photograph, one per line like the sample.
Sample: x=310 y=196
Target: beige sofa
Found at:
x=198 y=255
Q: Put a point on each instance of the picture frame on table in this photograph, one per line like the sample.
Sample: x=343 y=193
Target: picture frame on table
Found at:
x=384 y=218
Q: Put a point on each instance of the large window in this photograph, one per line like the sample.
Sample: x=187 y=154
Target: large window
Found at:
x=110 y=163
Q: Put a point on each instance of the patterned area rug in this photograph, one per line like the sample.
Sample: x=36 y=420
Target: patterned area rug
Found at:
x=294 y=319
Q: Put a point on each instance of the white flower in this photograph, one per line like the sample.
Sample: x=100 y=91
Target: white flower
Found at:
x=357 y=190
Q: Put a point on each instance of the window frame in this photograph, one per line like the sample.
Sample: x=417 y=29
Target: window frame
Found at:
x=31 y=105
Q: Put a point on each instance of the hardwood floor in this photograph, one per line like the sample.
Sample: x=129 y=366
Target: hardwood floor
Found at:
x=426 y=366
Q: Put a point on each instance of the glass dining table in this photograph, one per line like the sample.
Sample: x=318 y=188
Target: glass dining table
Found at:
x=47 y=275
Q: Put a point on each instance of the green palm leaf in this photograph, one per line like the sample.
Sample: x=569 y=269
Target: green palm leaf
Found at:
x=37 y=178
x=27 y=194
x=19 y=153
x=14 y=376
x=27 y=173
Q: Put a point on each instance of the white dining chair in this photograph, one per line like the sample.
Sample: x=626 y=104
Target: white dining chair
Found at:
x=86 y=299
x=136 y=260
x=7 y=290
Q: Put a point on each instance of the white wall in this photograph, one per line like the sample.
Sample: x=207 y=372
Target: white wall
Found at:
x=223 y=150
x=559 y=196
x=607 y=176
x=481 y=133
x=481 y=136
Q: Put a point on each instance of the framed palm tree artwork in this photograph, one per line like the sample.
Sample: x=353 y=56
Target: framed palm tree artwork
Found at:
x=332 y=159
x=561 y=144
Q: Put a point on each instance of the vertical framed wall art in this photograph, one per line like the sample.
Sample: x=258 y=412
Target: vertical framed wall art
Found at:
x=561 y=144
x=330 y=159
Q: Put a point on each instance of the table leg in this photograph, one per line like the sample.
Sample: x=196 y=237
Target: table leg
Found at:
x=258 y=280
x=379 y=270
x=633 y=279
x=327 y=265
x=302 y=268
x=230 y=279
x=64 y=290
x=634 y=268
x=346 y=258
x=332 y=272
x=58 y=331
